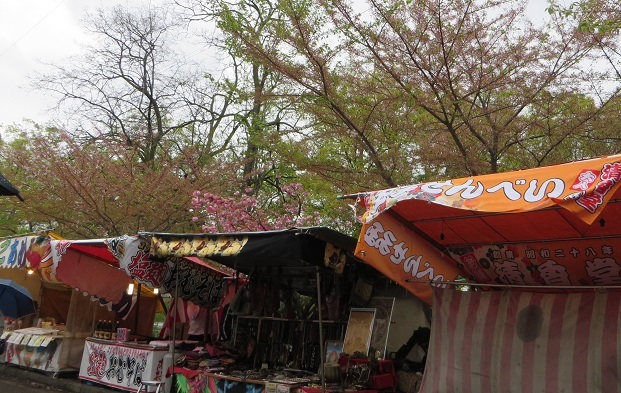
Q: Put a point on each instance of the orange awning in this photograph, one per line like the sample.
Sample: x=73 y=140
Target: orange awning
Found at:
x=550 y=226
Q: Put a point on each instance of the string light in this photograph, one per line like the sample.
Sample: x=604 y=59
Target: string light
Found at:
x=130 y=289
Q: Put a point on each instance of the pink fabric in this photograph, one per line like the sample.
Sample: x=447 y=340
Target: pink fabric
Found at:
x=180 y=307
x=91 y=275
x=198 y=319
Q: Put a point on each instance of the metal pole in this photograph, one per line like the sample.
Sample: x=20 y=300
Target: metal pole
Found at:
x=174 y=335
x=322 y=355
x=522 y=286
x=137 y=312
x=162 y=303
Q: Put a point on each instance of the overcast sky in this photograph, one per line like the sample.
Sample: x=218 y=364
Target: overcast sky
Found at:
x=49 y=30
x=33 y=30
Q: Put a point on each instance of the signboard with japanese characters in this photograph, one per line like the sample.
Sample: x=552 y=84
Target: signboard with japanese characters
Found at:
x=575 y=263
x=13 y=251
x=404 y=257
x=575 y=187
x=548 y=226
x=198 y=284
x=121 y=366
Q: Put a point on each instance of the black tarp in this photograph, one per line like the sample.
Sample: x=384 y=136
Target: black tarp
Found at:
x=294 y=254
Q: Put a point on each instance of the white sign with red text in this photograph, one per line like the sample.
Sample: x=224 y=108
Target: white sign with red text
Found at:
x=121 y=365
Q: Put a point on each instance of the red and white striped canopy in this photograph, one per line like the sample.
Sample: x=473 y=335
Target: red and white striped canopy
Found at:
x=512 y=341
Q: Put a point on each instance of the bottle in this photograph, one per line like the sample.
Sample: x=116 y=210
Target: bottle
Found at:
x=97 y=332
x=113 y=331
x=107 y=333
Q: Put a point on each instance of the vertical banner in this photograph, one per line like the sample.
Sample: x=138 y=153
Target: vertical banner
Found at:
x=404 y=257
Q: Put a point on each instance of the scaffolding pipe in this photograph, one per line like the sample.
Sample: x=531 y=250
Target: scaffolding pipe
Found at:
x=521 y=286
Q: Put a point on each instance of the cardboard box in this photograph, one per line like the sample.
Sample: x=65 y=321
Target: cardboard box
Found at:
x=286 y=388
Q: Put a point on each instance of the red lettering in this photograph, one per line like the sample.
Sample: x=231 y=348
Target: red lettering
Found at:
x=470 y=261
x=610 y=175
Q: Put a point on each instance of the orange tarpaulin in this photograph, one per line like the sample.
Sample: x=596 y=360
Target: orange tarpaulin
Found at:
x=403 y=256
x=553 y=226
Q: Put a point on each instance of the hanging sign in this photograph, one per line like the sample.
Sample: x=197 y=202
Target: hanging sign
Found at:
x=404 y=257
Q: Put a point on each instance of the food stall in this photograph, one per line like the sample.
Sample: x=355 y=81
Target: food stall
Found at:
x=40 y=349
x=12 y=270
x=50 y=339
x=299 y=285
x=53 y=347
x=76 y=277
x=536 y=256
x=76 y=283
x=123 y=362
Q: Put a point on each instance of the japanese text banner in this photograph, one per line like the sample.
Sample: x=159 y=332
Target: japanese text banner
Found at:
x=574 y=262
x=404 y=257
x=582 y=187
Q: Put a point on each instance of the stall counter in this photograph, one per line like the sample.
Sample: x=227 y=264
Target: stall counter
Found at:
x=193 y=381
x=122 y=365
x=3 y=339
x=43 y=349
x=202 y=381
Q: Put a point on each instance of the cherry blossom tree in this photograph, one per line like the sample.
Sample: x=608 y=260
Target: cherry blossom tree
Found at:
x=244 y=212
x=101 y=189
